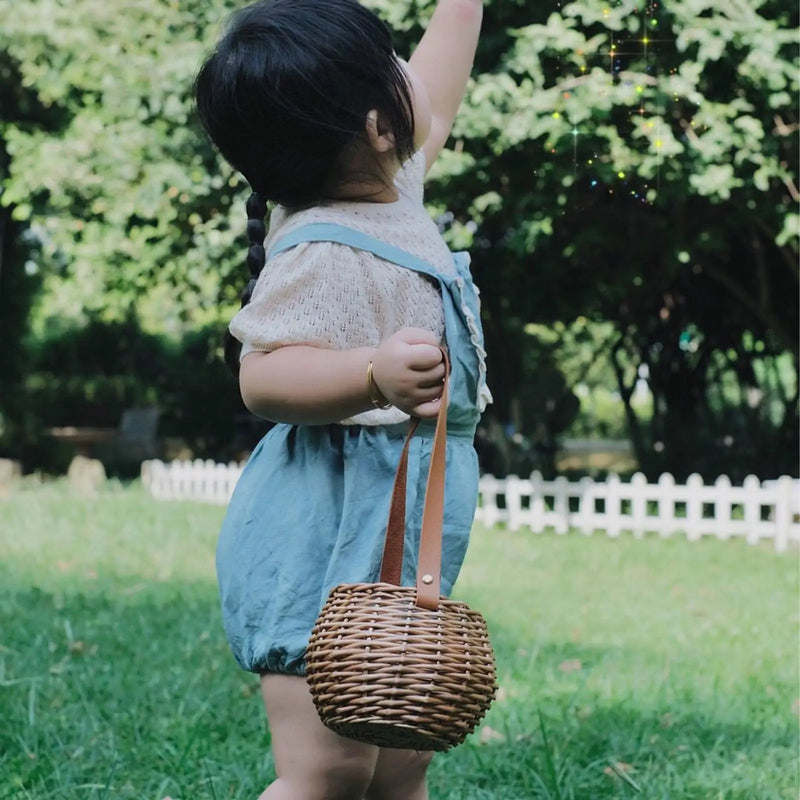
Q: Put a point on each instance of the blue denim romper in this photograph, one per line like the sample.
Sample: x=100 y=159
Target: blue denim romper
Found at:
x=310 y=509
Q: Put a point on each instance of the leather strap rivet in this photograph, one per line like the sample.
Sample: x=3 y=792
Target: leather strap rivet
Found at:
x=427 y=579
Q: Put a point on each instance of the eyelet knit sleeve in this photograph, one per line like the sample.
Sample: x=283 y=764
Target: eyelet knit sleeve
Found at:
x=330 y=296
x=310 y=295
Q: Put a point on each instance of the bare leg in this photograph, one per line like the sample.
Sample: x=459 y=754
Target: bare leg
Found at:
x=312 y=763
x=400 y=775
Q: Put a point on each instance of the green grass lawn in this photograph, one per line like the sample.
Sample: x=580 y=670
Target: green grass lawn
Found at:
x=654 y=669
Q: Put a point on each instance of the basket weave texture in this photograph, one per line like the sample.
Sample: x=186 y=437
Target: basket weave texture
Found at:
x=386 y=672
x=403 y=667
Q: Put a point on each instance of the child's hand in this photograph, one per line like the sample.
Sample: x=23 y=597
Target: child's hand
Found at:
x=409 y=371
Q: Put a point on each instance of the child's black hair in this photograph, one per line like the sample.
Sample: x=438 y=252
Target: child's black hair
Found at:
x=288 y=89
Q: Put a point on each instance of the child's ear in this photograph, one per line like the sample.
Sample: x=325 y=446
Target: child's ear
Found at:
x=379 y=135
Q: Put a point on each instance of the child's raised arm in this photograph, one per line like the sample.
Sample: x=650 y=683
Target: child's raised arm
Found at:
x=443 y=61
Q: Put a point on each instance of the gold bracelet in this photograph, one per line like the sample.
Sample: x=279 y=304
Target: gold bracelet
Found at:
x=375 y=395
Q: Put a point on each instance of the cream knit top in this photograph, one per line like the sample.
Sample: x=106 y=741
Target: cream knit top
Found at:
x=329 y=295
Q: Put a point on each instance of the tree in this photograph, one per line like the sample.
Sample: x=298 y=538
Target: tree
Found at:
x=135 y=208
x=637 y=163
x=627 y=163
x=19 y=279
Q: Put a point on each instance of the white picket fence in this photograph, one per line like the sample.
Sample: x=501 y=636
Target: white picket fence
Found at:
x=204 y=481
x=755 y=511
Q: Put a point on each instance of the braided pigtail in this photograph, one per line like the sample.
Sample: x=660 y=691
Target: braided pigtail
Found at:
x=256 y=233
x=256 y=257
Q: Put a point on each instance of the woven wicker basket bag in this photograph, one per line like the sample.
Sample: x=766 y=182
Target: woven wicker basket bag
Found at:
x=397 y=666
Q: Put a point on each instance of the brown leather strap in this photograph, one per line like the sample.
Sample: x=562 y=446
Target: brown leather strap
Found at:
x=429 y=566
x=430 y=549
x=392 y=564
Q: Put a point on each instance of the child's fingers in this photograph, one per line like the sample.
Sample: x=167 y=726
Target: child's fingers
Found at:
x=431 y=378
x=427 y=410
x=427 y=401
x=425 y=357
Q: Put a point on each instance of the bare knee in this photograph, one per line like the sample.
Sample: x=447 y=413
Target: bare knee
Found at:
x=344 y=780
x=312 y=762
x=416 y=761
x=399 y=775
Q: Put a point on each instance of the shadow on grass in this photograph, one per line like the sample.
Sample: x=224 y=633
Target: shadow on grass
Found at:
x=124 y=696
x=621 y=752
x=581 y=722
x=134 y=694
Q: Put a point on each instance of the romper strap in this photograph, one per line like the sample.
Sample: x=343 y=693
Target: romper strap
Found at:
x=341 y=234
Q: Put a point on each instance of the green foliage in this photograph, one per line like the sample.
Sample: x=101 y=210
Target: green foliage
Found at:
x=645 y=161
x=18 y=287
x=672 y=664
x=631 y=164
x=127 y=191
x=89 y=375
